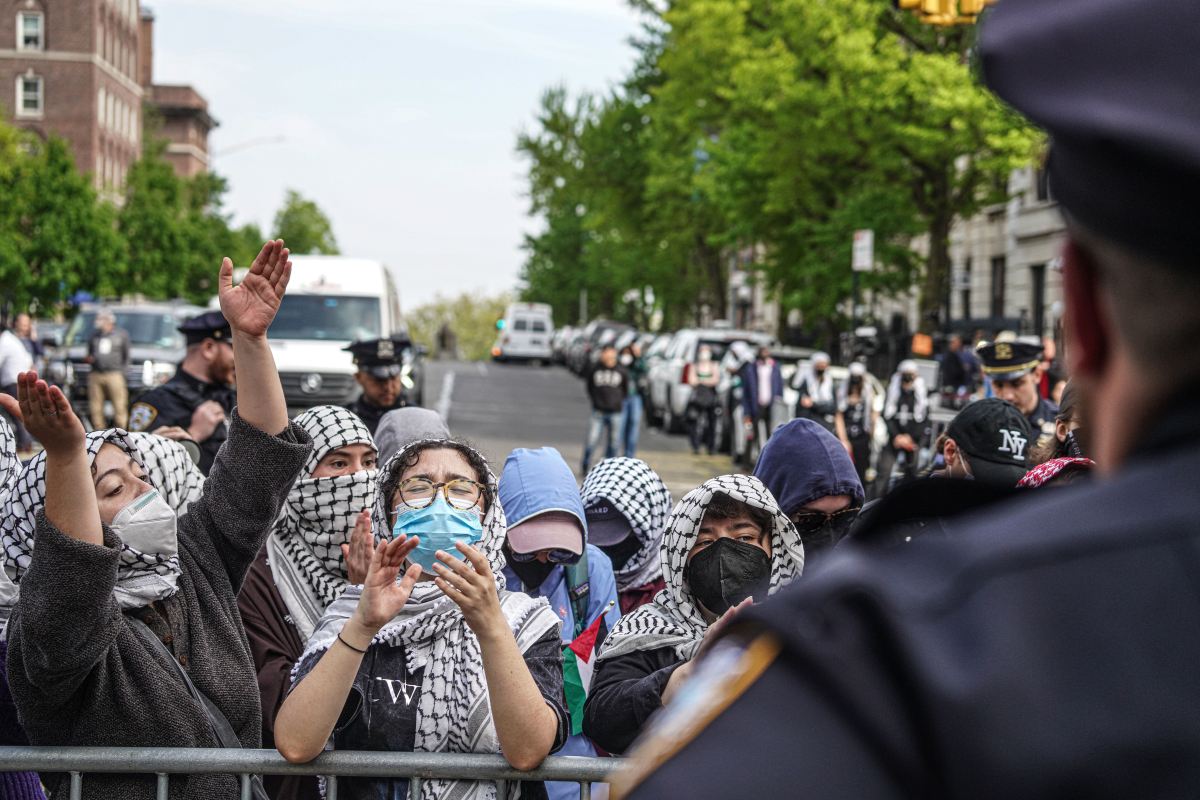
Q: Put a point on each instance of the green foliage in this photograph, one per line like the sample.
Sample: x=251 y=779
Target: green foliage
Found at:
x=303 y=225
x=471 y=317
x=782 y=125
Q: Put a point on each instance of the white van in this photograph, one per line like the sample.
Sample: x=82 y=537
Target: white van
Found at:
x=526 y=334
x=331 y=301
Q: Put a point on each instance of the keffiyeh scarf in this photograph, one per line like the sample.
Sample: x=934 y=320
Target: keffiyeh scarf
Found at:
x=169 y=469
x=673 y=619
x=640 y=495
x=1046 y=472
x=454 y=712
x=9 y=466
x=304 y=550
x=142 y=578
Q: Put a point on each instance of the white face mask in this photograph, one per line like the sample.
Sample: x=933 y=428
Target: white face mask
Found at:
x=148 y=525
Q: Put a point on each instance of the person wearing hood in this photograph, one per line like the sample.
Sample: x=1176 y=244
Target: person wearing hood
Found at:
x=549 y=556
x=404 y=426
x=127 y=615
x=905 y=410
x=433 y=653
x=320 y=545
x=627 y=505
x=812 y=477
x=170 y=469
x=727 y=543
x=816 y=398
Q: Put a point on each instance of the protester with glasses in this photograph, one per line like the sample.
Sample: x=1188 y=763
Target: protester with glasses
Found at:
x=810 y=473
x=548 y=556
x=432 y=653
x=727 y=545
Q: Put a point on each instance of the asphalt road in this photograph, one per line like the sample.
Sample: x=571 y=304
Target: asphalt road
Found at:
x=499 y=407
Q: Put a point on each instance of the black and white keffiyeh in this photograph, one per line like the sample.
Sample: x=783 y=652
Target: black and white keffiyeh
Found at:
x=9 y=467
x=169 y=469
x=643 y=499
x=142 y=578
x=672 y=619
x=454 y=712
x=304 y=550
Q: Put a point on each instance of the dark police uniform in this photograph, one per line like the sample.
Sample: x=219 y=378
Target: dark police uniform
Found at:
x=175 y=401
x=1046 y=650
x=1008 y=361
x=380 y=358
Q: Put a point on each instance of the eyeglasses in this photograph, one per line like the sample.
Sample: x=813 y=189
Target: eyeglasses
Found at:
x=460 y=493
x=555 y=555
x=810 y=522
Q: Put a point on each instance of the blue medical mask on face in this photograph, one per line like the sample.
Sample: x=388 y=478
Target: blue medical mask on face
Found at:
x=439 y=527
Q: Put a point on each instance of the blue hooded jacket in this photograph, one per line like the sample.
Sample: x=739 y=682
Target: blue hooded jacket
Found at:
x=803 y=462
x=534 y=482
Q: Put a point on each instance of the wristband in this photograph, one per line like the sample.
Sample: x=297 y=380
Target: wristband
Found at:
x=352 y=647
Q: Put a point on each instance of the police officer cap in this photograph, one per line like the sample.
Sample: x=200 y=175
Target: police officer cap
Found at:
x=209 y=325
x=1114 y=84
x=1007 y=361
x=380 y=358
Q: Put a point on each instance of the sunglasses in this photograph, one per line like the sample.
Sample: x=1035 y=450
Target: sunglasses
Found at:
x=810 y=522
x=555 y=555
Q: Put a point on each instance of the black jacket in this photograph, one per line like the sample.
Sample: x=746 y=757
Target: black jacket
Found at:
x=1048 y=649
x=175 y=401
x=625 y=692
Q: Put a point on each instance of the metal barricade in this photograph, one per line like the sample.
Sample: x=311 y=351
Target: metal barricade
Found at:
x=167 y=761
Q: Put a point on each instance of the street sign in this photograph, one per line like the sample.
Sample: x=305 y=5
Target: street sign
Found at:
x=864 y=251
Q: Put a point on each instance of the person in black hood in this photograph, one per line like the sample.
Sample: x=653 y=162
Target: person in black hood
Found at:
x=810 y=473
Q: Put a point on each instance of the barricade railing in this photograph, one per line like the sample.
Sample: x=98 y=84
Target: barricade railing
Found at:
x=164 y=762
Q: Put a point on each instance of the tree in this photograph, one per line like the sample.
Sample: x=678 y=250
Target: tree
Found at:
x=473 y=319
x=304 y=227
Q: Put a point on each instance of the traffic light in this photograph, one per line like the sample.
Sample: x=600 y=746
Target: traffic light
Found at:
x=904 y=5
x=936 y=8
x=500 y=324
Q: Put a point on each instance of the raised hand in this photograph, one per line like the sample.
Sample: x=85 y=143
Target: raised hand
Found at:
x=473 y=588
x=46 y=414
x=383 y=596
x=251 y=306
x=357 y=553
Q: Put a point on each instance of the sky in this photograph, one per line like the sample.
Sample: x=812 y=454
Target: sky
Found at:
x=398 y=117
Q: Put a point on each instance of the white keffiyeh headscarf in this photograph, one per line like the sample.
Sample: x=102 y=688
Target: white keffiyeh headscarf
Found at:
x=9 y=466
x=454 y=712
x=672 y=619
x=643 y=499
x=169 y=469
x=304 y=550
x=142 y=577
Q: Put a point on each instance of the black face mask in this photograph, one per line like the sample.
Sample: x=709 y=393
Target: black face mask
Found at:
x=532 y=573
x=622 y=551
x=727 y=572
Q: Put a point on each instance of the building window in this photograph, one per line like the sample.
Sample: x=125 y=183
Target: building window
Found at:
x=30 y=96
x=999 y=270
x=1042 y=185
x=31 y=31
x=1037 y=300
x=964 y=287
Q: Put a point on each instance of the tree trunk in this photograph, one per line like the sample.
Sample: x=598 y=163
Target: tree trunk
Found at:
x=937 y=270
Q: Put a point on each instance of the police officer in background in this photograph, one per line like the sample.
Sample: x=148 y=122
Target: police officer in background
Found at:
x=194 y=406
x=381 y=375
x=1013 y=368
x=1047 y=648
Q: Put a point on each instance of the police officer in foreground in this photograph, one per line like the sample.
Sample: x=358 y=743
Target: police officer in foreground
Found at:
x=195 y=404
x=381 y=374
x=1048 y=648
x=1013 y=369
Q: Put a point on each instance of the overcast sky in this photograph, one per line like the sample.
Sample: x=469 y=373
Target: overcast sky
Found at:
x=399 y=117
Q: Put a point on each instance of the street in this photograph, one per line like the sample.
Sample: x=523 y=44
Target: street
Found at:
x=502 y=406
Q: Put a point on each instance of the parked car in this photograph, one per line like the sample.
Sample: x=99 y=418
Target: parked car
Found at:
x=668 y=379
x=560 y=342
x=596 y=335
x=526 y=334
x=155 y=347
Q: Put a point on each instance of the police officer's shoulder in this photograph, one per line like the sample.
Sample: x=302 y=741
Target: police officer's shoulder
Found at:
x=381 y=358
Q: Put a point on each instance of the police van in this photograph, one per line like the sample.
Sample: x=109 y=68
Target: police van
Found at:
x=332 y=301
x=525 y=334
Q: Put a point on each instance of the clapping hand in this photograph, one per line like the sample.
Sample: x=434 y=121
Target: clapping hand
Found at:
x=383 y=596
x=357 y=553
x=250 y=307
x=472 y=586
x=46 y=414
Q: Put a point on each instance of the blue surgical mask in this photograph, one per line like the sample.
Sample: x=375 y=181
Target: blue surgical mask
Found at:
x=439 y=526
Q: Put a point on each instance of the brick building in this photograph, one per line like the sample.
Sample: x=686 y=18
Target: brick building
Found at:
x=82 y=69
x=69 y=67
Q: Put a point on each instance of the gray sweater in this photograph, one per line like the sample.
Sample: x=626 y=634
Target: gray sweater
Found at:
x=82 y=675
